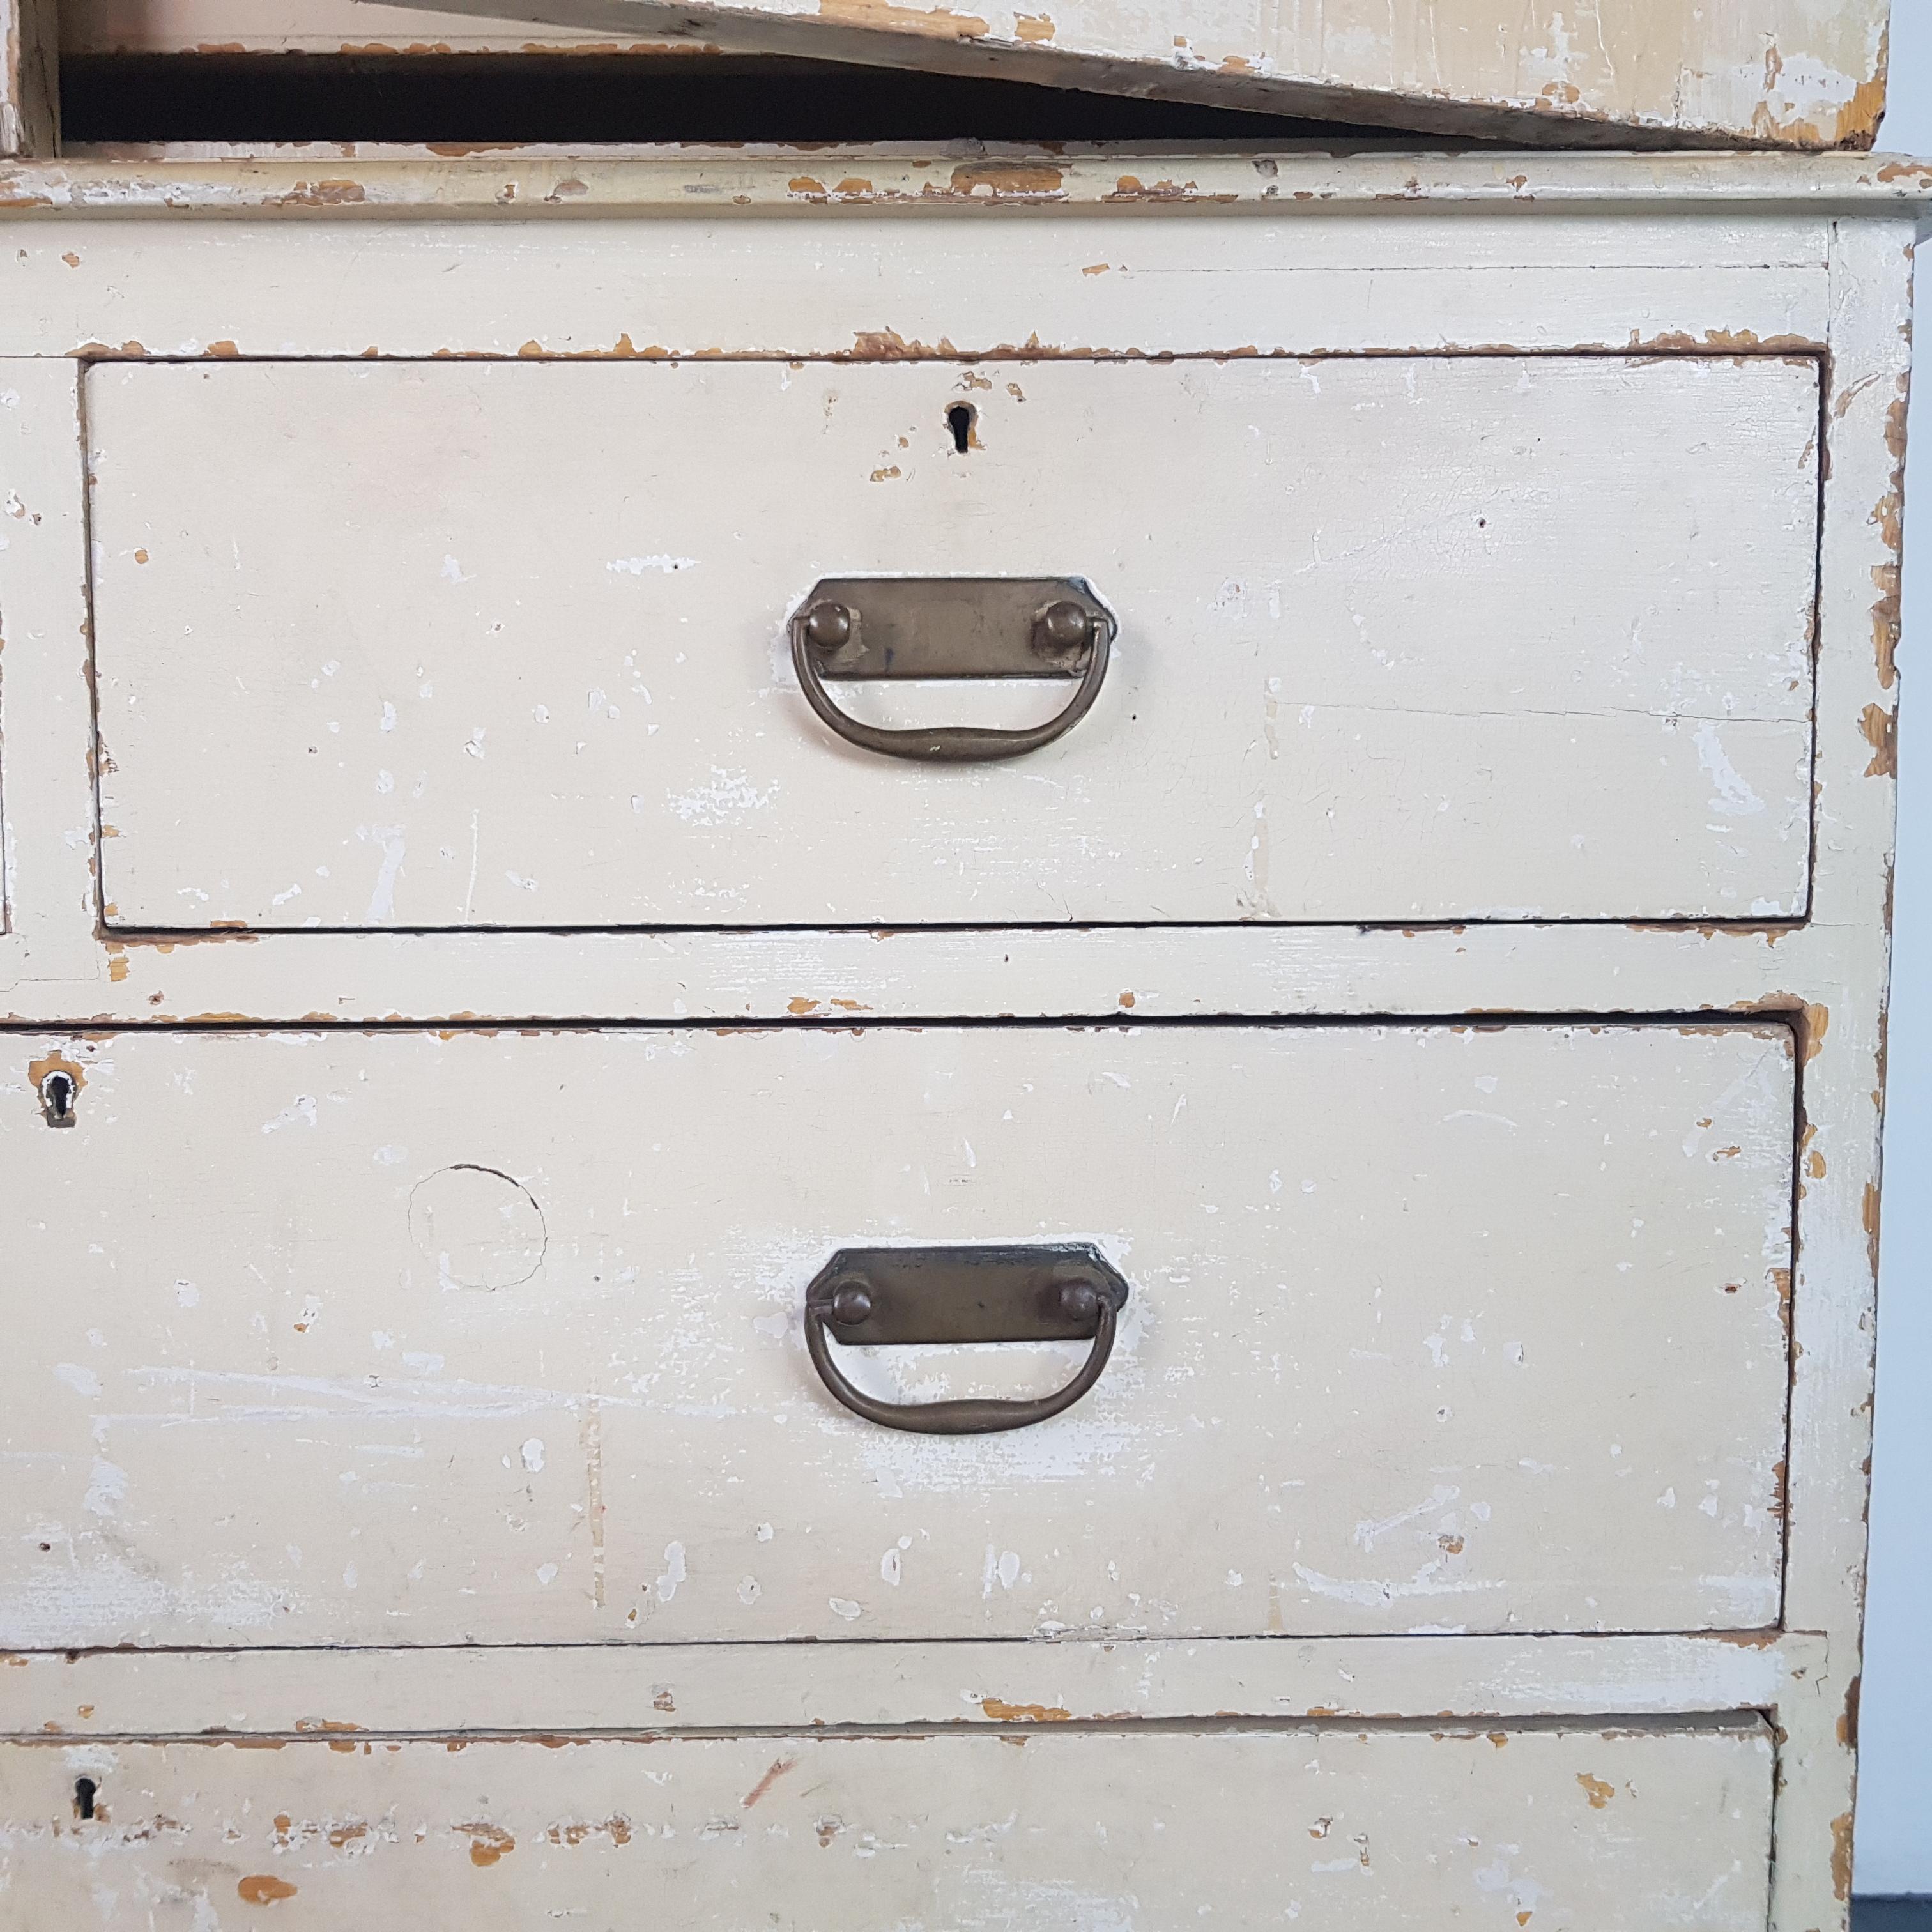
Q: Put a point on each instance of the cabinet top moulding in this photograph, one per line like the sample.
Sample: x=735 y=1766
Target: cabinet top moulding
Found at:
x=529 y=184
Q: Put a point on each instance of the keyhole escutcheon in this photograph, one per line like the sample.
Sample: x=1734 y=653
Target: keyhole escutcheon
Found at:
x=57 y=1097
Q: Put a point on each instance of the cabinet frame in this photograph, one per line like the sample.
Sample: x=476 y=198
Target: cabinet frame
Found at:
x=689 y=254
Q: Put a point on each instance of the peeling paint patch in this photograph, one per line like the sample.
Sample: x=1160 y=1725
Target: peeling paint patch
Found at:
x=1880 y=727
x=487 y=1842
x=1001 y=1712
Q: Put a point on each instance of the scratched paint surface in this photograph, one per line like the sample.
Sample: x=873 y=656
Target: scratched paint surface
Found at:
x=407 y=1338
x=1807 y=74
x=1633 y=1830
x=1693 y=249
x=483 y=645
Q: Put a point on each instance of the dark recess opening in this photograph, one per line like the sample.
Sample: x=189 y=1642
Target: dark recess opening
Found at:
x=593 y=99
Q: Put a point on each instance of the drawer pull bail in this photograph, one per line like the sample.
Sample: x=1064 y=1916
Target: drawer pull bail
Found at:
x=854 y=629
x=911 y=1296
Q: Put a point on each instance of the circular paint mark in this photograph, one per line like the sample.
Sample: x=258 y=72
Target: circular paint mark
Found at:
x=482 y=1229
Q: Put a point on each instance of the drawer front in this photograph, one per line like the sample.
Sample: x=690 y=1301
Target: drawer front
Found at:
x=1339 y=1832
x=1400 y=639
x=406 y=1337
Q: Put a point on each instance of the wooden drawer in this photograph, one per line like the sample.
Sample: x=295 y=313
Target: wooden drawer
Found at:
x=411 y=1337
x=444 y=644
x=1629 y=1831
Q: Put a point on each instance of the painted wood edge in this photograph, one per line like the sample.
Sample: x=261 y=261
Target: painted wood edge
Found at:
x=710 y=181
x=29 y=78
x=55 y=973
x=673 y=1687
x=49 y=835
x=1834 y=1286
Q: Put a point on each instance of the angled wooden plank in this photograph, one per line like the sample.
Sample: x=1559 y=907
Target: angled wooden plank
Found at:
x=1772 y=73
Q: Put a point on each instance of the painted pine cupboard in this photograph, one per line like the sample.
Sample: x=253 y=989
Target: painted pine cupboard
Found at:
x=859 y=1072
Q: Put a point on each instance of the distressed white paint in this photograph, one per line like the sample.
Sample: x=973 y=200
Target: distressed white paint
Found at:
x=1448 y=638
x=704 y=1687
x=1806 y=74
x=547 y=182
x=777 y=256
x=1371 y=1831
x=1390 y=1362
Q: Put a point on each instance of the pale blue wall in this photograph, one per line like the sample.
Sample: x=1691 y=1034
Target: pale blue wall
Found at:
x=1894 y=1828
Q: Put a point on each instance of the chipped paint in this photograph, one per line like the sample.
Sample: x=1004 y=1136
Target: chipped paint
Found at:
x=487 y=1842
x=1667 y=73
x=365 y=185
x=61 y=965
x=413 y=1305
x=1879 y=724
x=1002 y=1712
x=385 y=775
x=956 y=1829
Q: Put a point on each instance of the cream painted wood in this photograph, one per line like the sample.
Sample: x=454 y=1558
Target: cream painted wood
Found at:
x=798 y=277
x=871 y=253
x=420 y=184
x=497 y=1338
x=704 y=1687
x=1589 y=1830
x=505 y=646
x=1790 y=72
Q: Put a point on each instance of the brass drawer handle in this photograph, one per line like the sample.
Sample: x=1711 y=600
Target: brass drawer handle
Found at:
x=905 y=1296
x=854 y=628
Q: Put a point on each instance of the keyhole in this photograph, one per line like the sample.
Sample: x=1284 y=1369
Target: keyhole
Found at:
x=57 y=1093
x=84 y=1789
x=960 y=419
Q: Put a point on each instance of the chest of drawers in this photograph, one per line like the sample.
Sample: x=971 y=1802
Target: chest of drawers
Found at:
x=558 y=1184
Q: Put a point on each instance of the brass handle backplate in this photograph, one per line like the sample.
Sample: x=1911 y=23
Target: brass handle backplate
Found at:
x=887 y=1296
x=851 y=628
